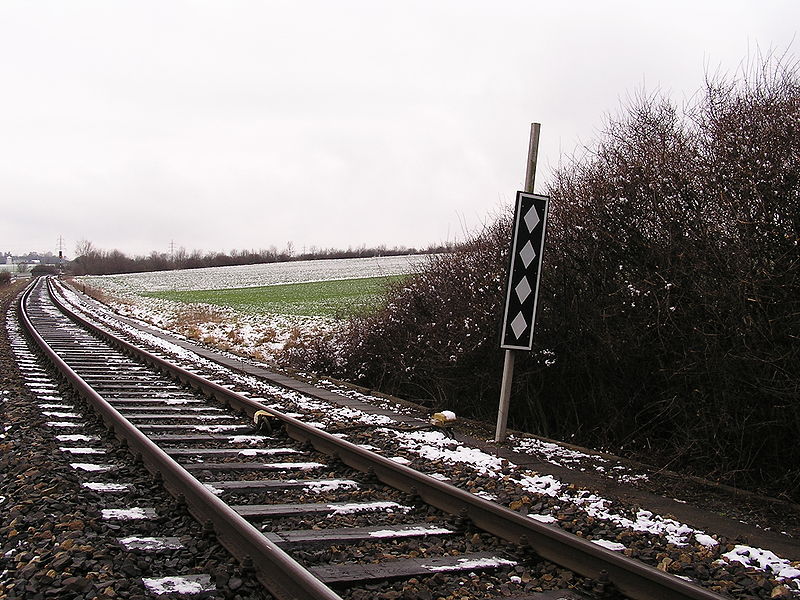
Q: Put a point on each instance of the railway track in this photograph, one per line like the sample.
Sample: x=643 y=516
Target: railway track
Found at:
x=313 y=515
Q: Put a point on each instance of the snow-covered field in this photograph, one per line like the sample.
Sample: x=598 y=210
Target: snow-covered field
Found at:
x=259 y=336
x=218 y=278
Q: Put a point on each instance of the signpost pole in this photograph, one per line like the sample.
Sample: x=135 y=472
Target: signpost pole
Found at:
x=505 y=397
x=508 y=363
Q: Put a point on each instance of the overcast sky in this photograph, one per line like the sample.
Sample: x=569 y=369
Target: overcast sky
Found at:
x=246 y=124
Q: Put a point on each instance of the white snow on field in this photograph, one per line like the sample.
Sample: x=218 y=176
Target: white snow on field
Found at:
x=218 y=278
x=257 y=334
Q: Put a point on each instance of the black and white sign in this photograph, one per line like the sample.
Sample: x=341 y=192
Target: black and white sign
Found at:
x=530 y=221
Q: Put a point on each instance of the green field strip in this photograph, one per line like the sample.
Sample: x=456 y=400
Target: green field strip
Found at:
x=316 y=298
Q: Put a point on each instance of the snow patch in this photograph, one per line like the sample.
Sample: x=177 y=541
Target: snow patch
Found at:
x=126 y=514
x=543 y=518
x=705 y=540
x=410 y=532
x=77 y=437
x=91 y=467
x=150 y=544
x=106 y=487
x=82 y=450
x=330 y=485
x=348 y=509
x=616 y=546
x=764 y=560
x=476 y=563
x=190 y=585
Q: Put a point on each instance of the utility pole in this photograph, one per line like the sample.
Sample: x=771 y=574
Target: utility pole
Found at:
x=508 y=363
x=60 y=254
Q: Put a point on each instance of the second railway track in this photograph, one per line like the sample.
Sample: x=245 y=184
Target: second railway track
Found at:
x=315 y=516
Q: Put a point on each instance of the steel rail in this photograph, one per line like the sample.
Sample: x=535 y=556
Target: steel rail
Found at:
x=631 y=577
x=277 y=571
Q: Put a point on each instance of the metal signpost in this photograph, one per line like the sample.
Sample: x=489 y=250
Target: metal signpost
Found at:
x=522 y=286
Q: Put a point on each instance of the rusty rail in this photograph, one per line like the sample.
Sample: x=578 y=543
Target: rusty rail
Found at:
x=280 y=573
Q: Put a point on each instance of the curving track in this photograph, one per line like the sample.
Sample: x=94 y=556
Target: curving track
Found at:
x=255 y=497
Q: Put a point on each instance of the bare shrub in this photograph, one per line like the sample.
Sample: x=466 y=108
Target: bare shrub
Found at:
x=670 y=299
x=676 y=271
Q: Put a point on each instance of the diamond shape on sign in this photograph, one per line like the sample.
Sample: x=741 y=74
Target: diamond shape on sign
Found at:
x=523 y=289
x=531 y=218
x=527 y=254
x=518 y=325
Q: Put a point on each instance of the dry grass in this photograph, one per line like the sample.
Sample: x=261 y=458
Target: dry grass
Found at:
x=196 y=315
x=193 y=322
x=268 y=336
x=98 y=294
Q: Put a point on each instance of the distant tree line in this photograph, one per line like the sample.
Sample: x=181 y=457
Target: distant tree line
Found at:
x=94 y=261
x=669 y=303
